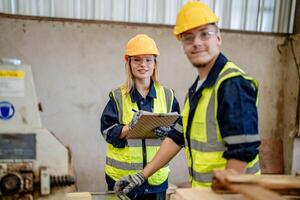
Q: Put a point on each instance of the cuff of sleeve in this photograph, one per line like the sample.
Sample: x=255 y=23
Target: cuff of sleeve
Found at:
x=176 y=136
x=243 y=152
x=115 y=137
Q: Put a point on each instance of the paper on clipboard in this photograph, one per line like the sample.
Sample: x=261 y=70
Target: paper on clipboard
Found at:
x=149 y=121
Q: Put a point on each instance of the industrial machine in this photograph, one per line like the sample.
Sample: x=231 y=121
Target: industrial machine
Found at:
x=34 y=164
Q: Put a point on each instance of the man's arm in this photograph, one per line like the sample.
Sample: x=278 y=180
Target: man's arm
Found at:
x=238 y=122
x=236 y=165
x=168 y=149
x=170 y=146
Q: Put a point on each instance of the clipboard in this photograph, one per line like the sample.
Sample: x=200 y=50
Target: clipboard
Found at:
x=149 y=121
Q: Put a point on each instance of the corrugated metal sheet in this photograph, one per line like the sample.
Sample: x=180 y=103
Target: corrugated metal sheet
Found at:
x=251 y=15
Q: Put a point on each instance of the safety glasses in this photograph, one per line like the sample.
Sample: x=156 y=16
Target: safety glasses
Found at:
x=189 y=38
x=140 y=60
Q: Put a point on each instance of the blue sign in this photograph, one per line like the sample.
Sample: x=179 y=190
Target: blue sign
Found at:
x=7 y=110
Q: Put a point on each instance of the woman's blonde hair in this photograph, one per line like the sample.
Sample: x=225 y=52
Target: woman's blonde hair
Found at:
x=129 y=83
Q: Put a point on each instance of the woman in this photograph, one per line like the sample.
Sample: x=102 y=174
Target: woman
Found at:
x=141 y=91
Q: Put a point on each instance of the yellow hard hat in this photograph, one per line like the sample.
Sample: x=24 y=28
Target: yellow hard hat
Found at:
x=139 y=45
x=192 y=15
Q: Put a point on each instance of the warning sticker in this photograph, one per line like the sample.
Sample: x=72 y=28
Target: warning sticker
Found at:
x=12 y=83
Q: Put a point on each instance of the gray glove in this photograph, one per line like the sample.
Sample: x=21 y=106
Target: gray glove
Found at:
x=128 y=183
x=123 y=197
x=135 y=119
x=162 y=131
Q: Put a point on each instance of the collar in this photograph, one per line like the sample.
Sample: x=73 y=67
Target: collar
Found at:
x=213 y=73
x=136 y=96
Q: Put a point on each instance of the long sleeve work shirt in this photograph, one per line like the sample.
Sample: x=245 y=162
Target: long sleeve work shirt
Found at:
x=236 y=114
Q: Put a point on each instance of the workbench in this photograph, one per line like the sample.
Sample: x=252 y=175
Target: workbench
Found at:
x=92 y=196
x=197 y=193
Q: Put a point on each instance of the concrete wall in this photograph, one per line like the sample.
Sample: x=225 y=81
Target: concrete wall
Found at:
x=75 y=64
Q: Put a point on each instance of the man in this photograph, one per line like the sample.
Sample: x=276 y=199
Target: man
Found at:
x=219 y=125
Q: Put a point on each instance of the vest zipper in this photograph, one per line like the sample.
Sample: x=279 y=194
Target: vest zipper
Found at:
x=144 y=153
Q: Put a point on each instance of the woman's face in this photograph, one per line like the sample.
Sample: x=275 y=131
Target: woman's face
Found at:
x=142 y=66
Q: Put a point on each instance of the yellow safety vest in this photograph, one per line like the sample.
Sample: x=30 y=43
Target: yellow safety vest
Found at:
x=206 y=144
x=129 y=160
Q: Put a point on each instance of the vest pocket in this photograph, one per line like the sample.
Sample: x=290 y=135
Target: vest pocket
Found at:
x=207 y=161
x=199 y=127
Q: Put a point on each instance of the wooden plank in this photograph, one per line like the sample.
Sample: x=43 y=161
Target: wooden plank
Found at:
x=79 y=196
x=245 y=186
x=254 y=192
x=283 y=184
x=197 y=193
x=268 y=181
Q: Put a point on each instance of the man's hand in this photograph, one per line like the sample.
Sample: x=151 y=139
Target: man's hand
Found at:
x=135 y=119
x=128 y=183
x=161 y=131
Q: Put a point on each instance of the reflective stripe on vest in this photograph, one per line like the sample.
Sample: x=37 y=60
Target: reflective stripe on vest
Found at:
x=129 y=160
x=207 y=145
x=138 y=143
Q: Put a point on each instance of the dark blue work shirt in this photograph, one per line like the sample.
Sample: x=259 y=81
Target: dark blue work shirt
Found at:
x=110 y=121
x=236 y=114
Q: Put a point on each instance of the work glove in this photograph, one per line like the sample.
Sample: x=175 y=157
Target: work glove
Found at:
x=128 y=183
x=137 y=115
x=162 y=131
x=123 y=197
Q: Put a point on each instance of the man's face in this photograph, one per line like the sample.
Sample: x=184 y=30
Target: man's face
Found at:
x=201 y=44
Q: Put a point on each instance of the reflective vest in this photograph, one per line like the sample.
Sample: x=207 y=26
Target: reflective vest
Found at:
x=206 y=144
x=129 y=160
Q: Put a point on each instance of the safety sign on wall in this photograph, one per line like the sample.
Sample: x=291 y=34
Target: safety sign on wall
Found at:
x=12 y=83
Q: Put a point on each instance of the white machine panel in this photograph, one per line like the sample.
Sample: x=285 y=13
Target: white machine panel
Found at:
x=18 y=102
x=34 y=164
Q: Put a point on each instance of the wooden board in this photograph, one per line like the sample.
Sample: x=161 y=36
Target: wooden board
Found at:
x=79 y=196
x=207 y=193
x=256 y=187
